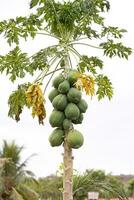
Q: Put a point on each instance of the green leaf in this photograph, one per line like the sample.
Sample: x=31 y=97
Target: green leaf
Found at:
x=40 y=60
x=111 y=31
x=21 y=27
x=105 y=88
x=112 y=49
x=90 y=64
x=15 y=64
x=17 y=101
x=33 y=3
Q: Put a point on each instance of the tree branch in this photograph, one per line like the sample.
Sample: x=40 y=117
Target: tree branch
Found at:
x=81 y=43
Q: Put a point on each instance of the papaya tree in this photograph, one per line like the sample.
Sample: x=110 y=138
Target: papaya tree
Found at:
x=71 y=23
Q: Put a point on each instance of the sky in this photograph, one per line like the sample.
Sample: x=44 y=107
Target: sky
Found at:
x=108 y=126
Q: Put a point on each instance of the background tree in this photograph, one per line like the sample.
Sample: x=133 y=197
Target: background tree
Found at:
x=13 y=176
x=131 y=187
x=91 y=180
x=96 y=180
x=69 y=23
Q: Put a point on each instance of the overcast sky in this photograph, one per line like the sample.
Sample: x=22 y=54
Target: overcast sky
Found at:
x=108 y=126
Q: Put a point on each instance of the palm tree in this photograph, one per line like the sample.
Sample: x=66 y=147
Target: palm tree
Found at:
x=50 y=188
x=97 y=181
x=13 y=176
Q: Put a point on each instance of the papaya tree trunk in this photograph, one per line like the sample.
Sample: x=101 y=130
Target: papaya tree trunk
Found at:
x=68 y=172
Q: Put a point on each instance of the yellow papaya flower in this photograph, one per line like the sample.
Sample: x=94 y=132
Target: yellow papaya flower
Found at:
x=86 y=83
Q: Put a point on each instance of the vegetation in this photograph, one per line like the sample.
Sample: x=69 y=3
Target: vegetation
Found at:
x=18 y=183
x=13 y=176
x=107 y=185
x=131 y=187
x=70 y=23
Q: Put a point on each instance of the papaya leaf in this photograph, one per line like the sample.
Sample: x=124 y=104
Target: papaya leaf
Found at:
x=40 y=60
x=112 y=49
x=105 y=88
x=16 y=102
x=15 y=64
x=34 y=3
x=90 y=64
x=20 y=27
x=111 y=31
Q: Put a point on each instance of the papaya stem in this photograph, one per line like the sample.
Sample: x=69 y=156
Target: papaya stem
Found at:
x=81 y=43
x=68 y=171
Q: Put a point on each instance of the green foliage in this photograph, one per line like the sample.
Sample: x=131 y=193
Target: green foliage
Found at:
x=27 y=193
x=112 y=32
x=33 y=3
x=130 y=188
x=15 y=64
x=17 y=101
x=40 y=60
x=89 y=64
x=74 y=17
x=112 y=49
x=92 y=180
x=13 y=173
x=50 y=188
x=11 y=151
x=68 y=22
x=21 y=27
x=104 y=87
x=15 y=195
x=107 y=186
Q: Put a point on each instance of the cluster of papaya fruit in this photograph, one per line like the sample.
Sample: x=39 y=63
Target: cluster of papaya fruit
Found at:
x=68 y=110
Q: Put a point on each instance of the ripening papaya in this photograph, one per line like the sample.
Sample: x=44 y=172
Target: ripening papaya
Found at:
x=75 y=139
x=56 y=118
x=56 y=137
x=60 y=102
x=74 y=95
x=72 y=112
x=57 y=80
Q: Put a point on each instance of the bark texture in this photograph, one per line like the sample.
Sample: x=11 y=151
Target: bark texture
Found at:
x=68 y=172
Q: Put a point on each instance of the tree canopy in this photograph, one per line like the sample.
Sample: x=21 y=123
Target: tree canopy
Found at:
x=71 y=23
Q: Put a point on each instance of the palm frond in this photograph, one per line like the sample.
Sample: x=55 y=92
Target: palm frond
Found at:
x=11 y=150
x=87 y=182
x=24 y=163
x=27 y=192
x=15 y=195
